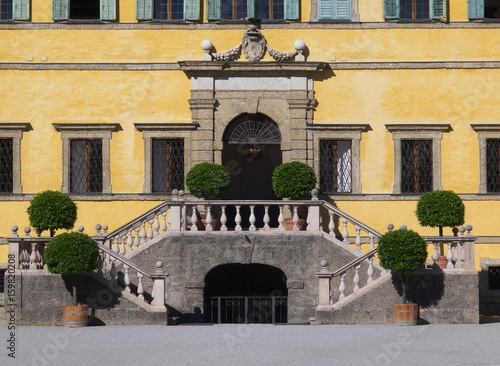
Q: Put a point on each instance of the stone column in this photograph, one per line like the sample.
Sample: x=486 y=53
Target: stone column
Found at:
x=202 y=104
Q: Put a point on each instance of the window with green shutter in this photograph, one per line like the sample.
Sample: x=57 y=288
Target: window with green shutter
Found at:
x=168 y=9
x=84 y=9
x=262 y=9
x=334 y=10
x=415 y=9
x=484 y=9
x=14 y=9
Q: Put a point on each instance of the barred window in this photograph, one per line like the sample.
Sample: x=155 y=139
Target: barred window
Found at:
x=262 y=9
x=6 y=166
x=169 y=9
x=416 y=166
x=86 y=166
x=492 y=166
x=168 y=164
x=335 y=166
x=6 y=8
x=414 y=9
x=494 y=278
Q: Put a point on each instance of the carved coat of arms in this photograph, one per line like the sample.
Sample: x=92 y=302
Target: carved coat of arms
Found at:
x=254 y=43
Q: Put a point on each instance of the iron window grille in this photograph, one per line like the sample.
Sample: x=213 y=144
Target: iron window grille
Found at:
x=414 y=9
x=169 y=9
x=86 y=166
x=264 y=9
x=6 y=165
x=168 y=165
x=335 y=166
x=6 y=9
x=416 y=169
x=494 y=278
x=492 y=166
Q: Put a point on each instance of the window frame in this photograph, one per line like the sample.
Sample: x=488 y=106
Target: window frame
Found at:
x=485 y=132
x=20 y=11
x=417 y=132
x=86 y=131
x=14 y=131
x=476 y=10
x=151 y=131
x=352 y=132
x=438 y=10
x=107 y=11
x=319 y=16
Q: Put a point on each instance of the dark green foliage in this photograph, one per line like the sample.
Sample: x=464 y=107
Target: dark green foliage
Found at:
x=52 y=210
x=402 y=250
x=293 y=180
x=208 y=180
x=440 y=209
x=71 y=253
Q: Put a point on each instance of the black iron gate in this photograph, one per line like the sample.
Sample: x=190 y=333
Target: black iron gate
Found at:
x=247 y=309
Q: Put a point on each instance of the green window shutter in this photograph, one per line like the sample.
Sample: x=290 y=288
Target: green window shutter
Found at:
x=60 y=9
x=391 y=9
x=21 y=9
x=292 y=9
x=192 y=9
x=438 y=9
x=325 y=9
x=476 y=9
x=213 y=9
x=144 y=9
x=251 y=8
x=343 y=9
x=108 y=9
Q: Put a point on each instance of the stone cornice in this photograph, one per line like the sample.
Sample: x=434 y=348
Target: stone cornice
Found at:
x=220 y=68
x=418 y=127
x=485 y=127
x=15 y=126
x=83 y=127
x=338 y=127
x=166 y=126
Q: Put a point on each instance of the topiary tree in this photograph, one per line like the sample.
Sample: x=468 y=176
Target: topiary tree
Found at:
x=71 y=254
x=404 y=251
x=293 y=180
x=440 y=209
x=208 y=180
x=52 y=210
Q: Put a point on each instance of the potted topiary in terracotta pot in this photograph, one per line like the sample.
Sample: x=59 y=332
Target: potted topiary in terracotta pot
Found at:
x=403 y=251
x=72 y=255
x=294 y=181
x=440 y=209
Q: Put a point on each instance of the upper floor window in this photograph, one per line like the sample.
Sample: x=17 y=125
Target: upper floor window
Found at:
x=14 y=9
x=335 y=9
x=493 y=165
x=168 y=165
x=335 y=166
x=6 y=165
x=263 y=9
x=86 y=166
x=489 y=157
x=417 y=166
x=168 y=9
x=484 y=9
x=84 y=9
x=415 y=9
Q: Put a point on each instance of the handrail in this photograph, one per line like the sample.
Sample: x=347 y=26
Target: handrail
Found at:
x=354 y=262
x=351 y=219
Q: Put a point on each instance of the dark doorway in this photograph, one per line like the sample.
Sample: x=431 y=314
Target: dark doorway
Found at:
x=245 y=293
x=252 y=150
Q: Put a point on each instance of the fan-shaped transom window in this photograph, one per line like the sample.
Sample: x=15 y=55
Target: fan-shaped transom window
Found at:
x=251 y=129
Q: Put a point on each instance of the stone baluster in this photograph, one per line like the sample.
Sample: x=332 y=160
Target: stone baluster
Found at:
x=130 y=242
x=358 y=238
x=356 y=279
x=137 y=242
x=164 y=221
x=223 y=218
x=295 y=218
x=281 y=220
x=194 y=218
x=331 y=225
x=150 y=230
x=126 y=278
x=208 y=209
x=267 y=219
x=342 y=287
x=372 y=241
x=370 y=270
x=237 y=219
x=252 y=219
x=142 y=233
x=156 y=227
x=435 y=254
x=115 y=248
x=34 y=258
x=449 y=256
x=113 y=273
x=100 y=263
x=140 y=287
x=345 y=233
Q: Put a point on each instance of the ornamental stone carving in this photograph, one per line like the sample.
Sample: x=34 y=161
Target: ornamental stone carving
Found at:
x=254 y=43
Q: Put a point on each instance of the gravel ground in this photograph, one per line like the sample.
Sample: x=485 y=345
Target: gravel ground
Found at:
x=365 y=345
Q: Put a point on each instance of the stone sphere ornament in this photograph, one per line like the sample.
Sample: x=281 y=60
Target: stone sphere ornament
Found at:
x=299 y=45
x=206 y=45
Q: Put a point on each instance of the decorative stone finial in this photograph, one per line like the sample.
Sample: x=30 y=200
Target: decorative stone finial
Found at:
x=159 y=266
x=38 y=232
x=324 y=263
x=403 y=227
x=455 y=231
x=469 y=229
x=14 y=229
x=80 y=229
x=206 y=45
x=27 y=231
x=98 y=229
x=390 y=227
x=314 y=194
x=104 y=229
x=300 y=46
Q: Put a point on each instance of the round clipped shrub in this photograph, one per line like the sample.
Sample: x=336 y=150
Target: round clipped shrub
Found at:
x=71 y=253
x=52 y=210
x=208 y=180
x=440 y=209
x=402 y=250
x=293 y=180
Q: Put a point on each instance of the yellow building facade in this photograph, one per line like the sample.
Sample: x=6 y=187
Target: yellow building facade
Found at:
x=378 y=83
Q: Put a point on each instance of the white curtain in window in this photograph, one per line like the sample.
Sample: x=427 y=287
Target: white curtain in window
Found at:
x=344 y=167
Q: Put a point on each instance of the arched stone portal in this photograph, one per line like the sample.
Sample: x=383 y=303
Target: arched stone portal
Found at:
x=245 y=293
